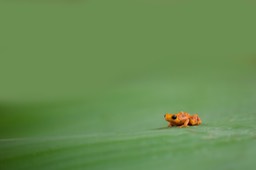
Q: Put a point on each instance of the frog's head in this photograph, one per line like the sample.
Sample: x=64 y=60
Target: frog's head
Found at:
x=173 y=118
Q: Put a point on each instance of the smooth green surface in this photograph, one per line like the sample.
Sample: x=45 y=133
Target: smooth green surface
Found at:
x=85 y=84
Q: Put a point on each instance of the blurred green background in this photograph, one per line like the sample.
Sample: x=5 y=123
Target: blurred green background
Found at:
x=85 y=84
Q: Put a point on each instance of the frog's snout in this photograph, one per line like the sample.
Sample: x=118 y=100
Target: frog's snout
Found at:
x=168 y=116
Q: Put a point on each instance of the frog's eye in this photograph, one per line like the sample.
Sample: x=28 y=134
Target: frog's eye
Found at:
x=174 y=117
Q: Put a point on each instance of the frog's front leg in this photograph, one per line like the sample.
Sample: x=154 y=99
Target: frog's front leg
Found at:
x=169 y=125
x=185 y=124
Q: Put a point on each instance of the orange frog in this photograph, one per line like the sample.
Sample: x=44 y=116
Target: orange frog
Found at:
x=182 y=119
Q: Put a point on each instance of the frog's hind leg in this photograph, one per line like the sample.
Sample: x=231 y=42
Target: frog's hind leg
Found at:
x=194 y=120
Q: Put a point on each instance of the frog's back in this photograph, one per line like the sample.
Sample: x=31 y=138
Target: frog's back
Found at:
x=183 y=115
